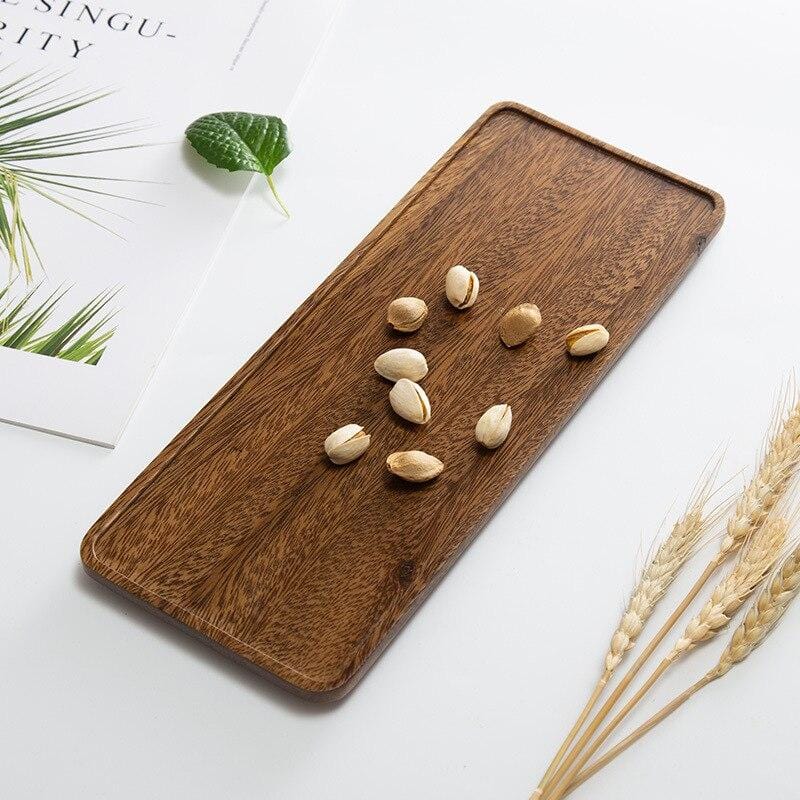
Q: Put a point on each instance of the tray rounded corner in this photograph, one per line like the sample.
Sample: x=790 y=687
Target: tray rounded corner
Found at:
x=719 y=205
x=504 y=105
x=91 y=563
x=329 y=687
x=331 y=692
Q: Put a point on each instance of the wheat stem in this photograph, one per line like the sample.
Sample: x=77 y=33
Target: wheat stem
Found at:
x=570 y=738
x=651 y=681
x=574 y=767
x=620 y=748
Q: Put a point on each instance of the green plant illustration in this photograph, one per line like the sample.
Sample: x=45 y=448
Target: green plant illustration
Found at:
x=24 y=325
x=27 y=105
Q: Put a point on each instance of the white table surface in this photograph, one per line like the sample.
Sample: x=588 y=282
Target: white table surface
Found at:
x=99 y=700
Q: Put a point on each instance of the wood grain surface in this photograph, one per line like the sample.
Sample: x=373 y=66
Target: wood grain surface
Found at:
x=244 y=534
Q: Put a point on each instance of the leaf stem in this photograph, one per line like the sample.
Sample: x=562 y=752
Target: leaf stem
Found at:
x=276 y=195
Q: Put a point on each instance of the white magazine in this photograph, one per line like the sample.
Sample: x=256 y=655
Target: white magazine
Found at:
x=167 y=63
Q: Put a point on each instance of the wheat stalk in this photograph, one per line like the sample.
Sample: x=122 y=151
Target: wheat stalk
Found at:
x=760 y=620
x=756 y=559
x=778 y=464
x=681 y=543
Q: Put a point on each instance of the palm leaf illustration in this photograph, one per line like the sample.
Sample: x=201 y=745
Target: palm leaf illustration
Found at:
x=28 y=106
x=24 y=325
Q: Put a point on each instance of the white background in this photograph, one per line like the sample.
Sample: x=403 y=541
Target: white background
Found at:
x=98 y=700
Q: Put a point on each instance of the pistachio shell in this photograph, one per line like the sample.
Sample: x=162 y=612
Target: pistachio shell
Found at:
x=346 y=444
x=414 y=465
x=406 y=314
x=494 y=425
x=410 y=402
x=586 y=340
x=402 y=362
x=461 y=286
x=519 y=324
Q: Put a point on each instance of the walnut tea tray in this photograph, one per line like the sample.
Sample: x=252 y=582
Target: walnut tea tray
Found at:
x=243 y=533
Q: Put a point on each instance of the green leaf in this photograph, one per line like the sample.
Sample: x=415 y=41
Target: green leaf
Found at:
x=237 y=140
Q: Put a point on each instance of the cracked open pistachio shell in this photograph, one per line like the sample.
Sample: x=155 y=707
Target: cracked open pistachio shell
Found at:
x=414 y=465
x=410 y=402
x=346 y=444
x=586 y=340
x=519 y=324
x=461 y=287
x=406 y=314
x=493 y=426
x=402 y=362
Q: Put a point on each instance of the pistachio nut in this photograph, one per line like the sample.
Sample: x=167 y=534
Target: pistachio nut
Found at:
x=346 y=444
x=461 y=286
x=586 y=340
x=519 y=324
x=414 y=465
x=401 y=362
x=493 y=426
x=406 y=314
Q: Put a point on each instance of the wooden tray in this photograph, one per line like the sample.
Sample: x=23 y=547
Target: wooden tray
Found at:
x=243 y=533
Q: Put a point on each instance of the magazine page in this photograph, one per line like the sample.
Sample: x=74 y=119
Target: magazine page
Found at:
x=109 y=219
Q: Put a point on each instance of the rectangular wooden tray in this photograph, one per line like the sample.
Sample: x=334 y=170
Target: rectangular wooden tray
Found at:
x=242 y=532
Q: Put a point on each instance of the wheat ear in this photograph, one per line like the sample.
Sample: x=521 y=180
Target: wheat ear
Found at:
x=658 y=576
x=756 y=559
x=681 y=543
x=778 y=464
x=763 y=615
x=760 y=620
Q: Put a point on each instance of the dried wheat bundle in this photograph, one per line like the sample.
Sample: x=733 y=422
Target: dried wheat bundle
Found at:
x=778 y=464
x=761 y=618
x=673 y=552
x=756 y=559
